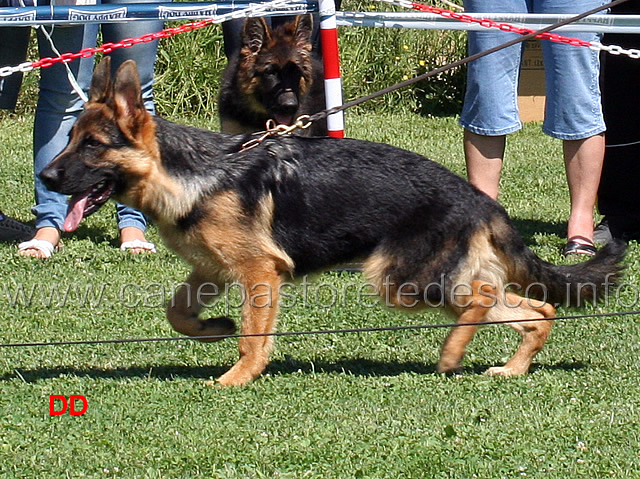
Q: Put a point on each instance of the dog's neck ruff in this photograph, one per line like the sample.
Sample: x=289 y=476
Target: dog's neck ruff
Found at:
x=189 y=168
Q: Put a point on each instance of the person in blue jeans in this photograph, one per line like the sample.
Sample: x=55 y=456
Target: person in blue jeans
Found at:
x=58 y=108
x=10 y=228
x=573 y=111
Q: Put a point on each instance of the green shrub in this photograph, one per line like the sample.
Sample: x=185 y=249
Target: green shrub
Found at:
x=188 y=72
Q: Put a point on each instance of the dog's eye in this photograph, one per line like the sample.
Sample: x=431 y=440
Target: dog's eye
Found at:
x=91 y=142
x=270 y=70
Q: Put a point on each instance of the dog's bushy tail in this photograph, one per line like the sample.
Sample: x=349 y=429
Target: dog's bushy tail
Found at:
x=569 y=285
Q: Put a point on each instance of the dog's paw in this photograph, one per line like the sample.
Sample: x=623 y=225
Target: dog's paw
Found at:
x=449 y=368
x=504 y=371
x=244 y=371
x=235 y=377
x=221 y=326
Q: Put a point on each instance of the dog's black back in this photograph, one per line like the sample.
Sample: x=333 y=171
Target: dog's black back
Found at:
x=274 y=76
x=339 y=200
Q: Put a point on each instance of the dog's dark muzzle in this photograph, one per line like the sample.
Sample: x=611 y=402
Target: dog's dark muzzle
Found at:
x=51 y=176
x=68 y=175
x=287 y=102
x=285 y=108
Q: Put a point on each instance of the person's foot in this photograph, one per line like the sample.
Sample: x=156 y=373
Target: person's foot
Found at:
x=579 y=246
x=45 y=242
x=132 y=240
x=13 y=230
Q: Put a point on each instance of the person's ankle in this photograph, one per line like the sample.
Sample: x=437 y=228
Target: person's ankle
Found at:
x=48 y=233
x=131 y=233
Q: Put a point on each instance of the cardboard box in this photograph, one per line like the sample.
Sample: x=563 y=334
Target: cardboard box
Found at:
x=531 y=92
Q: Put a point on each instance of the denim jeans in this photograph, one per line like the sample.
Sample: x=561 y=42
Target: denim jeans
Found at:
x=573 y=109
x=13 y=51
x=59 y=105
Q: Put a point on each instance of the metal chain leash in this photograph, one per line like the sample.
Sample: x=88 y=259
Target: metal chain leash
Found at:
x=272 y=129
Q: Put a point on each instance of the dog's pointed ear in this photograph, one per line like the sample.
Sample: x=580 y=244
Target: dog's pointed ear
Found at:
x=255 y=34
x=304 y=29
x=127 y=98
x=101 y=81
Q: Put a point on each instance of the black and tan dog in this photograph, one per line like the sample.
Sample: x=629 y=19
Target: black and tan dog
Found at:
x=295 y=205
x=275 y=76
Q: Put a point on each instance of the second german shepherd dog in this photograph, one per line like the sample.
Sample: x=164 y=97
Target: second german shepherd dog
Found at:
x=275 y=76
x=295 y=205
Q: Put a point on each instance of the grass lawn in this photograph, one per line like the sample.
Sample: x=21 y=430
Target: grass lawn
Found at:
x=330 y=406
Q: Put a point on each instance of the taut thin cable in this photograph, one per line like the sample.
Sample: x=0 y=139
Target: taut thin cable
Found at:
x=309 y=333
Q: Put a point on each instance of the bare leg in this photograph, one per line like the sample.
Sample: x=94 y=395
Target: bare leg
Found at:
x=583 y=163
x=484 y=155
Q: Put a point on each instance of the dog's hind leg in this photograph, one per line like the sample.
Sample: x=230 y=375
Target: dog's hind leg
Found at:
x=534 y=334
x=260 y=309
x=474 y=307
x=188 y=301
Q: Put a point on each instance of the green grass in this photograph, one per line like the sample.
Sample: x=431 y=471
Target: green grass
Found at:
x=330 y=406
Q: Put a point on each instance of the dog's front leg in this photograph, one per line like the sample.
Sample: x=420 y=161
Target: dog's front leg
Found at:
x=258 y=322
x=189 y=299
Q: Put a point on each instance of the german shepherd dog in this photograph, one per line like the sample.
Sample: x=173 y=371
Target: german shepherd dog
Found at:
x=275 y=76
x=295 y=205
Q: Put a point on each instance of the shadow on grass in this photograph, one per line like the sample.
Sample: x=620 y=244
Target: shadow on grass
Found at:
x=351 y=367
x=96 y=235
x=529 y=228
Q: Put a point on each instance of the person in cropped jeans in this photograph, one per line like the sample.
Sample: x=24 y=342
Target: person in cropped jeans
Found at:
x=58 y=108
x=573 y=111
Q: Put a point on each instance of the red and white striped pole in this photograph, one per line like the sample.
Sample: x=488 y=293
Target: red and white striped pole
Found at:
x=331 y=61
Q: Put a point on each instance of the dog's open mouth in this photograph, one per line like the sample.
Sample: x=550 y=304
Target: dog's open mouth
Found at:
x=84 y=204
x=283 y=119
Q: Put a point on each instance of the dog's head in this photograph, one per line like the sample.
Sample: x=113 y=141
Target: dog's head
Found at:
x=276 y=66
x=110 y=147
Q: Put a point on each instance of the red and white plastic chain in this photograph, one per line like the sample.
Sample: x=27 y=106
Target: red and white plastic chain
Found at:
x=129 y=42
x=554 y=37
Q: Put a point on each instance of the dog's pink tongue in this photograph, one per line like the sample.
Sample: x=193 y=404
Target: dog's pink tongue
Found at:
x=283 y=119
x=75 y=212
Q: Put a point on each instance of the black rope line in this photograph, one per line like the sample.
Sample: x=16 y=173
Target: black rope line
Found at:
x=324 y=113
x=309 y=333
